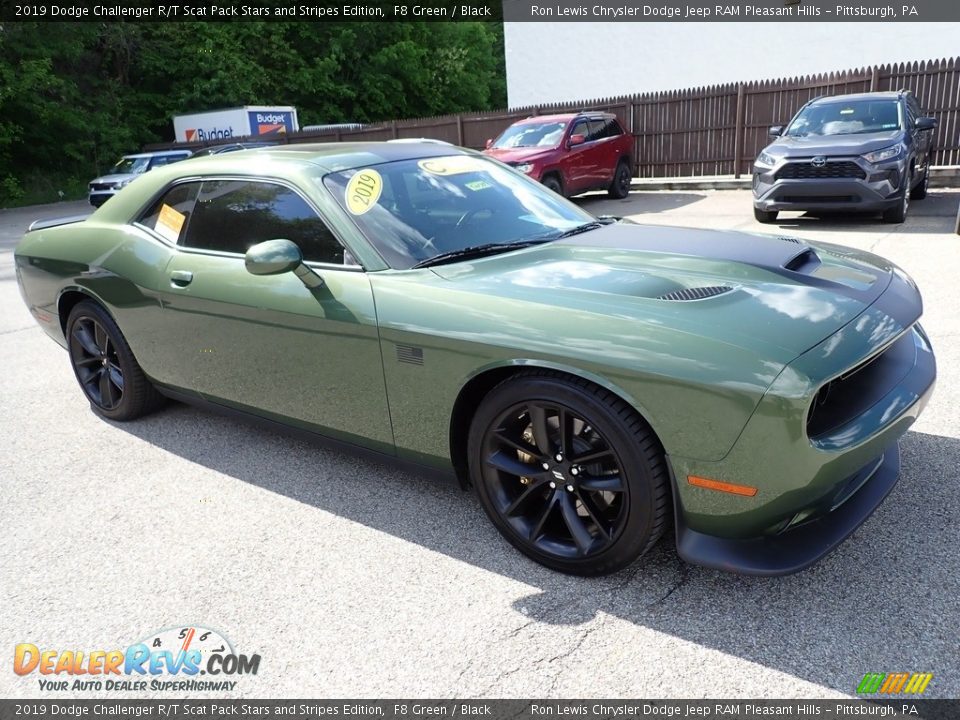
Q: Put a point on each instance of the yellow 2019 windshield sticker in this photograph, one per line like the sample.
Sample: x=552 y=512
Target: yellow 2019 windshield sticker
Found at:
x=451 y=165
x=169 y=223
x=363 y=191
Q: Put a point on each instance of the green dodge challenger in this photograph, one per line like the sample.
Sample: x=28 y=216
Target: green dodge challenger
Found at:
x=596 y=382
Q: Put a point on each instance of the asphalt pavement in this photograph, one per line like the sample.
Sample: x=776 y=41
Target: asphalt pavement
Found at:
x=354 y=579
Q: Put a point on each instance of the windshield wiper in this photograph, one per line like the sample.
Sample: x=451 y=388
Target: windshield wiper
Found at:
x=586 y=227
x=476 y=251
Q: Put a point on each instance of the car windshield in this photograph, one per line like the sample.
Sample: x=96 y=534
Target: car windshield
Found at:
x=846 y=118
x=544 y=134
x=129 y=165
x=415 y=210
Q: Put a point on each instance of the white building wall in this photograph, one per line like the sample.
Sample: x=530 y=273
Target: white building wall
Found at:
x=559 y=61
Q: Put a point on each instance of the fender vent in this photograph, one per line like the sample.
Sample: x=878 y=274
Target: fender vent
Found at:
x=797 y=241
x=697 y=293
x=410 y=354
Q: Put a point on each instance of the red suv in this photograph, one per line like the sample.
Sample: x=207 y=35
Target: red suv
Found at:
x=571 y=153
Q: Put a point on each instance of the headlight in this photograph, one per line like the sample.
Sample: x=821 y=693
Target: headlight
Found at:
x=524 y=168
x=122 y=183
x=878 y=156
x=765 y=159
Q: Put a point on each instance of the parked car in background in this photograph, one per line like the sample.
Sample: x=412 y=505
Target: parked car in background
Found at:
x=571 y=153
x=230 y=147
x=596 y=381
x=127 y=169
x=868 y=152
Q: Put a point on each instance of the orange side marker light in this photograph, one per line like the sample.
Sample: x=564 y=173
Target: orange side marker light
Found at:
x=719 y=486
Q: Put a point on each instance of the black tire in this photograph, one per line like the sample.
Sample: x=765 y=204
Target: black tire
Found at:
x=765 y=216
x=596 y=509
x=105 y=367
x=620 y=187
x=552 y=182
x=920 y=191
x=898 y=213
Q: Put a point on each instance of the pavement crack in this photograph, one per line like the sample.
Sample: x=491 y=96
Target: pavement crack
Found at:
x=681 y=581
x=16 y=330
x=583 y=638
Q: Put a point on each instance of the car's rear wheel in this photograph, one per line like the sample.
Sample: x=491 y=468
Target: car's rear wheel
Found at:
x=620 y=187
x=920 y=191
x=106 y=369
x=552 y=182
x=569 y=473
x=765 y=216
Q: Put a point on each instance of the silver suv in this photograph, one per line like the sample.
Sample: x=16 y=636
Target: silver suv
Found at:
x=869 y=152
x=128 y=169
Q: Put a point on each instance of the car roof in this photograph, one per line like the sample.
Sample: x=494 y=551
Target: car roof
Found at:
x=889 y=95
x=332 y=157
x=158 y=153
x=563 y=117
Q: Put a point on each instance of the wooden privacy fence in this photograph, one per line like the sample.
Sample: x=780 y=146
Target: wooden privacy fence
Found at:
x=715 y=130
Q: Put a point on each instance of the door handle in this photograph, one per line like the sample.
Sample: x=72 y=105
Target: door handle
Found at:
x=181 y=278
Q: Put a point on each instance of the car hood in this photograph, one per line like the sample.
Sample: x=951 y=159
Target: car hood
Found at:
x=517 y=155
x=118 y=177
x=791 y=147
x=774 y=296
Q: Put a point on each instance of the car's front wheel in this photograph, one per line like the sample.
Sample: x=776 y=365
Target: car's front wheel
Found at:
x=898 y=213
x=765 y=216
x=552 y=182
x=569 y=473
x=105 y=367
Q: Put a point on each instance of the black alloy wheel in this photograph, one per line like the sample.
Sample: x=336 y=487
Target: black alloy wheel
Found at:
x=96 y=363
x=105 y=367
x=551 y=182
x=620 y=187
x=572 y=477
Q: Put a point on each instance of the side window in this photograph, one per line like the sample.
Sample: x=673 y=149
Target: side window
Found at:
x=914 y=109
x=233 y=215
x=613 y=128
x=581 y=128
x=169 y=216
x=596 y=130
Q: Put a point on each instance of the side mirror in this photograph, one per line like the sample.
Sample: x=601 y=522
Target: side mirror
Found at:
x=275 y=257
x=925 y=123
x=489 y=143
x=775 y=131
x=577 y=139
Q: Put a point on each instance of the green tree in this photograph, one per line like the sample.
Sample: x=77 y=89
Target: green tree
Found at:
x=74 y=96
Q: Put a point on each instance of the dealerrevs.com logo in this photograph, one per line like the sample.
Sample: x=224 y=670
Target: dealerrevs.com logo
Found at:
x=172 y=659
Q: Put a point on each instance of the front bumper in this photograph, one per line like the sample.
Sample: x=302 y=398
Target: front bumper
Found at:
x=821 y=447
x=880 y=188
x=99 y=197
x=801 y=546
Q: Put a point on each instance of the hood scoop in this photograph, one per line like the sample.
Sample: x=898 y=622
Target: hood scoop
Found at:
x=805 y=261
x=697 y=293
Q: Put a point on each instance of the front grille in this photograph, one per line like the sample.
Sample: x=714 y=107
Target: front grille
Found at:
x=101 y=186
x=806 y=170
